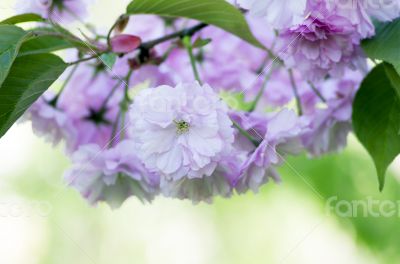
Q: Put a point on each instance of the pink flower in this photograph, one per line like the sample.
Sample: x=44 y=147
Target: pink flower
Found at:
x=353 y=10
x=181 y=131
x=360 y=12
x=279 y=135
x=330 y=126
x=49 y=121
x=90 y=104
x=111 y=175
x=322 y=46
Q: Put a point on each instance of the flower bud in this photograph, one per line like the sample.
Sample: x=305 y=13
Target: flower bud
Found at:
x=121 y=24
x=125 y=43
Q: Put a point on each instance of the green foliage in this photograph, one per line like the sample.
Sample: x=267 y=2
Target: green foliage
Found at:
x=22 y=19
x=214 y=12
x=200 y=43
x=385 y=45
x=29 y=78
x=109 y=59
x=376 y=118
x=376 y=109
x=22 y=78
x=349 y=177
x=394 y=78
x=236 y=101
x=11 y=38
x=55 y=38
x=44 y=44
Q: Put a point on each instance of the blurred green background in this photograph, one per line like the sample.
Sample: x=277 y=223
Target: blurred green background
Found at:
x=43 y=221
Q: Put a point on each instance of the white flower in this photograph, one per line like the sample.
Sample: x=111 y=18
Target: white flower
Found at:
x=181 y=131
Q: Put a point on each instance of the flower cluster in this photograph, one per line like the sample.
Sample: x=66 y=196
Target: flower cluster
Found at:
x=212 y=116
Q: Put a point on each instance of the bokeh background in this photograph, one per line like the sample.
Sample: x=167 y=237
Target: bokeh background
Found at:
x=43 y=221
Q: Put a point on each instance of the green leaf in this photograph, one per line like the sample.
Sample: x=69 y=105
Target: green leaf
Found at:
x=44 y=44
x=22 y=18
x=376 y=118
x=236 y=101
x=394 y=78
x=385 y=44
x=214 y=12
x=200 y=43
x=109 y=59
x=11 y=38
x=29 y=77
x=58 y=38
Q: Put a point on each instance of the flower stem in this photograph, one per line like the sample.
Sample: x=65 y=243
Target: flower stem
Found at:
x=68 y=78
x=127 y=80
x=262 y=90
x=296 y=93
x=110 y=95
x=120 y=18
x=187 y=42
x=123 y=108
x=55 y=99
x=85 y=59
x=318 y=93
x=246 y=134
x=114 y=131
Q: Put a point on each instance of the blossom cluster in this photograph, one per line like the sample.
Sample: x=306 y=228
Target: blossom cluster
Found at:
x=146 y=127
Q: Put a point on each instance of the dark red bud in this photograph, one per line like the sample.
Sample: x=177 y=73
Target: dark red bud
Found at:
x=125 y=43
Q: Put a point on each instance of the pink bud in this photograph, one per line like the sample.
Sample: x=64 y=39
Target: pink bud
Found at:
x=125 y=43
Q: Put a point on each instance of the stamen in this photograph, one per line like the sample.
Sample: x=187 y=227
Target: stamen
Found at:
x=182 y=127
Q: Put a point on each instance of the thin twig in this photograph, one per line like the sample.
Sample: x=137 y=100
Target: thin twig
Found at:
x=262 y=90
x=317 y=92
x=120 y=18
x=187 y=41
x=296 y=92
x=85 y=59
x=246 y=134
x=180 y=34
